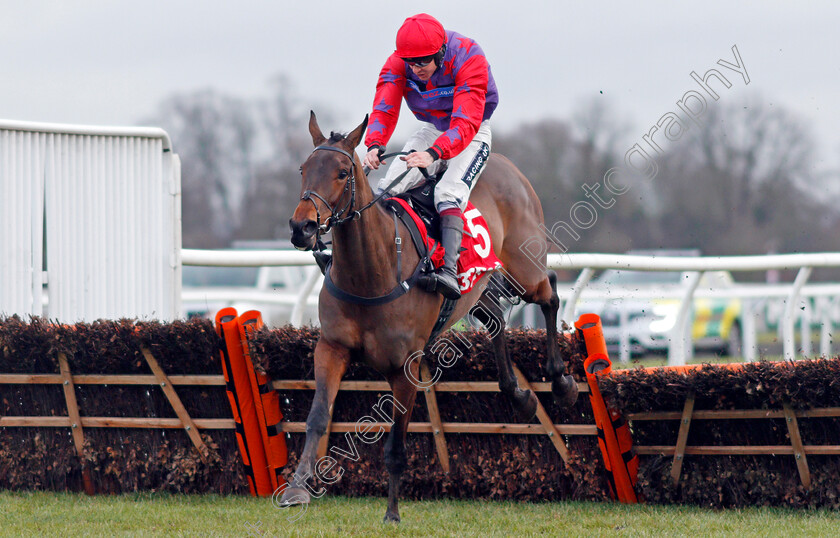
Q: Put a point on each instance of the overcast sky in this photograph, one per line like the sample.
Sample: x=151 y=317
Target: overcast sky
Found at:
x=112 y=62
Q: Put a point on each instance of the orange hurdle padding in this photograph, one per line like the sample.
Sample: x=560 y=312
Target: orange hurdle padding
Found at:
x=614 y=437
x=267 y=403
x=593 y=334
x=242 y=403
x=225 y=316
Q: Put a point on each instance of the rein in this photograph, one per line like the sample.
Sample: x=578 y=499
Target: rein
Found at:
x=336 y=218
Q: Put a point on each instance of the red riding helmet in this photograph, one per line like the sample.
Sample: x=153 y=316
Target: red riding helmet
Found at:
x=419 y=36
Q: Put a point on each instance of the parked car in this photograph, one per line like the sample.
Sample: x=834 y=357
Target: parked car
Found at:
x=271 y=290
x=716 y=324
x=649 y=320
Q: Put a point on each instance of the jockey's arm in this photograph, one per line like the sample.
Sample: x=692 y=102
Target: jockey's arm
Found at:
x=386 y=108
x=471 y=82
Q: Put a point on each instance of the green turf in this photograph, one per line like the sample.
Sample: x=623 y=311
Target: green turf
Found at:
x=64 y=514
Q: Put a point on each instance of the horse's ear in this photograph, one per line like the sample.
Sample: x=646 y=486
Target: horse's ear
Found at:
x=318 y=137
x=352 y=140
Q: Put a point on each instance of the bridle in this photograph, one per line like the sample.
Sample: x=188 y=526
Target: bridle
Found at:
x=336 y=217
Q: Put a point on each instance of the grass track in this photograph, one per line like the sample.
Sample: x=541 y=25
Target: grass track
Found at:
x=66 y=514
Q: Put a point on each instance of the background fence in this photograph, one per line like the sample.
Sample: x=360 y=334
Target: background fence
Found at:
x=680 y=338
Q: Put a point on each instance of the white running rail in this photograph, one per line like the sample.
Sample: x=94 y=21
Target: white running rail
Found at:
x=588 y=263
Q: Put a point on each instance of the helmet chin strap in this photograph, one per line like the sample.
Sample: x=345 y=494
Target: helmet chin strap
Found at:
x=440 y=54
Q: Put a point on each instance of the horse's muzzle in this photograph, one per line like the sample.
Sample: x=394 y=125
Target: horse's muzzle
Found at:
x=303 y=233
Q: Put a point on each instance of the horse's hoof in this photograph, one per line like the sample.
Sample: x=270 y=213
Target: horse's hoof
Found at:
x=525 y=402
x=292 y=496
x=391 y=518
x=565 y=390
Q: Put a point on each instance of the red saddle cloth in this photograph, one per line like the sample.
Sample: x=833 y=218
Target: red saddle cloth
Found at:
x=477 y=254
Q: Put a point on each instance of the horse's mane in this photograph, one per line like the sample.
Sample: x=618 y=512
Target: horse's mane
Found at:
x=336 y=137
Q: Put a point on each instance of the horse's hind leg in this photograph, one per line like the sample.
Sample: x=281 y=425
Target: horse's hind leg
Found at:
x=563 y=386
x=488 y=311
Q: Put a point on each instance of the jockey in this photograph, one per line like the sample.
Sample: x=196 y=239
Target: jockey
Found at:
x=446 y=83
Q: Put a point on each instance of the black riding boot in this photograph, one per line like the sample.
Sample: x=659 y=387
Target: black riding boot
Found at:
x=451 y=231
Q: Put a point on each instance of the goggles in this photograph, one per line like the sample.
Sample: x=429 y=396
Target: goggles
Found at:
x=419 y=62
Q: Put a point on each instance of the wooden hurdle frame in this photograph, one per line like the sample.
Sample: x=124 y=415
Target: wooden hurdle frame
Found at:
x=78 y=423
x=796 y=448
x=73 y=420
x=435 y=426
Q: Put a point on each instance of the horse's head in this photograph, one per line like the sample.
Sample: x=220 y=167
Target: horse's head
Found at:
x=328 y=184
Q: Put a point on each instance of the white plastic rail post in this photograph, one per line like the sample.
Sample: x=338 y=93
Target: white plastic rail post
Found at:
x=748 y=341
x=582 y=280
x=303 y=297
x=681 y=332
x=790 y=312
x=825 y=332
x=805 y=328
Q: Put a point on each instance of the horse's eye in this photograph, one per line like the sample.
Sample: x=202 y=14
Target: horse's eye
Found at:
x=342 y=174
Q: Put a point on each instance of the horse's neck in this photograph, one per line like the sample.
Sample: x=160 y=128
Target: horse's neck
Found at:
x=364 y=253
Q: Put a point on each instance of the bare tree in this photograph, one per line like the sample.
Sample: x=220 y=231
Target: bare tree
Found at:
x=285 y=119
x=741 y=182
x=275 y=191
x=565 y=160
x=600 y=132
x=215 y=136
x=754 y=142
x=543 y=151
x=240 y=160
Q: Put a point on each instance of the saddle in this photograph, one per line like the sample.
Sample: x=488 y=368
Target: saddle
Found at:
x=422 y=200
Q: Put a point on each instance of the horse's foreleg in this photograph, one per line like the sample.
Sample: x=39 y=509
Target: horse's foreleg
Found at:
x=563 y=386
x=330 y=364
x=395 y=457
x=488 y=311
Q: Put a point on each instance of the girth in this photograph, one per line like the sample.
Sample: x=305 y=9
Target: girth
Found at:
x=402 y=286
x=448 y=305
x=423 y=266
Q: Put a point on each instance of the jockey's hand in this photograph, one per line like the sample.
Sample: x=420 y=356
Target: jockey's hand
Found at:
x=372 y=159
x=418 y=159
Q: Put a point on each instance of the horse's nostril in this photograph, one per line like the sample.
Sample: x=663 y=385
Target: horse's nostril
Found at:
x=305 y=228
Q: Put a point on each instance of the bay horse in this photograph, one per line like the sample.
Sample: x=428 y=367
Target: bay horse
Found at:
x=365 y=264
